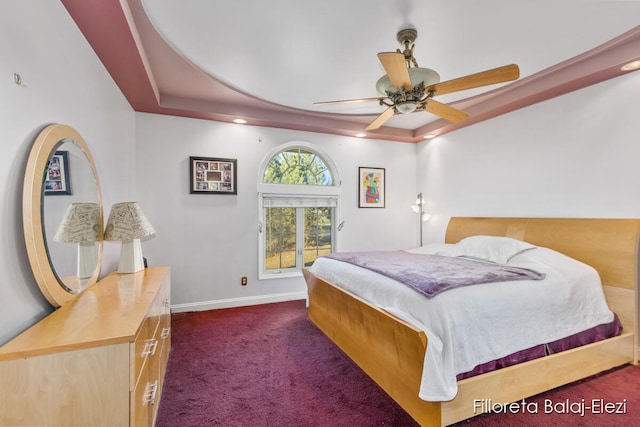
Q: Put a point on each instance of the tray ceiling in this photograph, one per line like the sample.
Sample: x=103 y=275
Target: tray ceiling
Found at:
x=268 y=62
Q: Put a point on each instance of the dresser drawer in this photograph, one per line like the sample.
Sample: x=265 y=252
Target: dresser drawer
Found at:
x=144 y=397
x=164 y=346
x=146 y=344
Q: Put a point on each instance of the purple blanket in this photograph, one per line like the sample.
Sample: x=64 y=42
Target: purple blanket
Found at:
x=432 y=274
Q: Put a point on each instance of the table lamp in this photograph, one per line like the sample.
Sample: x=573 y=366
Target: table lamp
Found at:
x=128 y=223
x=81 y=225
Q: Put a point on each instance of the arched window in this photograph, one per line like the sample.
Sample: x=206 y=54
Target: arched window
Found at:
x=297 y=165
x=298 y=200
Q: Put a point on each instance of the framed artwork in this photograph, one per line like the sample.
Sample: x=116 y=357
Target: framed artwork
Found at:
x=56 y=178
x=210 y=175
x=371 y=187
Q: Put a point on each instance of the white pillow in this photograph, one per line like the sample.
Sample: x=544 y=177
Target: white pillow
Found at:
x=490 y=248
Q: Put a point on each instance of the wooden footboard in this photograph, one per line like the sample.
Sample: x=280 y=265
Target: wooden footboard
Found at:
x=392 y=351
x=386 y=348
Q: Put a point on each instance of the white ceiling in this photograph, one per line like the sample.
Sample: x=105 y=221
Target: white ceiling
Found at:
x=293 y=53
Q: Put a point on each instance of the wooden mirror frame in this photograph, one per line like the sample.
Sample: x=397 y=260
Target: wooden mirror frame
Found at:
x=32 y=211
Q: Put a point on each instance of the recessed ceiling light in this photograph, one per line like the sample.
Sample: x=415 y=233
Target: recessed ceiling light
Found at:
x=430 y=136
x=239 y=121
x=633 y=65
x=360 y=135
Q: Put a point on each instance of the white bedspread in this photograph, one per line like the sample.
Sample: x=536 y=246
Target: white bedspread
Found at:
x=476 y=324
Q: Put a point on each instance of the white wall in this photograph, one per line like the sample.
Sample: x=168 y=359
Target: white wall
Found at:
x=211 y=241
x=62 y=82
x=572 y=156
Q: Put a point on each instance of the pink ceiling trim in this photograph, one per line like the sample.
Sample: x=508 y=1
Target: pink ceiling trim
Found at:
x=104 y=25
x=112 y=33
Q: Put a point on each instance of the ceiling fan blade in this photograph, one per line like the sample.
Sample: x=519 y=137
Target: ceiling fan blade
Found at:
x=381 y=119
x=396 y=68
x=349 y=101
x=445 y=111
x=484 y=78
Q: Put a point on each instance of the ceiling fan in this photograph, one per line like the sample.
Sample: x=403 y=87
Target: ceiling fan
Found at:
x=407 y=88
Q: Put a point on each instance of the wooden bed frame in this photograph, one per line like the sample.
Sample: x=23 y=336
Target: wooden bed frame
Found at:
x=392 y=352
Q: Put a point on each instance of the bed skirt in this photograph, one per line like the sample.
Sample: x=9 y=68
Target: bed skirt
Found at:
x=597 y=333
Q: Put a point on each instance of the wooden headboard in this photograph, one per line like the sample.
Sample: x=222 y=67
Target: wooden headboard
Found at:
x=608 y=245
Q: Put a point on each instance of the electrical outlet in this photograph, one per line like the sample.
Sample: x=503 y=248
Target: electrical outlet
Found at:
x=243 y=281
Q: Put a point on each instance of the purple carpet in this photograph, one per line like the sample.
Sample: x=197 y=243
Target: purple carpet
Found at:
x=267 y=365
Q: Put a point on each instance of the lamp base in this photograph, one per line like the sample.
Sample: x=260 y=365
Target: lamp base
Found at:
x=131 y=260
x=87 y=259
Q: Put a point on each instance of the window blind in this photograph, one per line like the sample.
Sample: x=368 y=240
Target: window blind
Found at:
x=276 y=201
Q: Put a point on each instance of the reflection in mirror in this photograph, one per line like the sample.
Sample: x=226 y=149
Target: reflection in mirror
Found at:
x=80 y=225
x=71 y=216
x=62 y=214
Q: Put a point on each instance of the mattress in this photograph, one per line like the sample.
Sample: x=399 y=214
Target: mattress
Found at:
x=471 y=327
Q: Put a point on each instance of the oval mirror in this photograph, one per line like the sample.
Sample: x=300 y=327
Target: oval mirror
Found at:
x=62 y=214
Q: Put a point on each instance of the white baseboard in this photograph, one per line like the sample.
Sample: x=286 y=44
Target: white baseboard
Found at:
x=238 y=302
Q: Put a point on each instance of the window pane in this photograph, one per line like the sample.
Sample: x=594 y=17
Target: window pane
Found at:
x=317 y=233
x=297 y=166
x=280 y=238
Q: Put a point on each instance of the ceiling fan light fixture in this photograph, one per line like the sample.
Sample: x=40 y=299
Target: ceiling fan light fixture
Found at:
x=406 y=107
x=417 y=75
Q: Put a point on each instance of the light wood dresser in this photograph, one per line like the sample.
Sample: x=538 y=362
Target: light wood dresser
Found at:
x=99 y=360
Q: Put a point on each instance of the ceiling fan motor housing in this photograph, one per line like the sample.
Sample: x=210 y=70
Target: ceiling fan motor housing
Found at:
x=407 y=36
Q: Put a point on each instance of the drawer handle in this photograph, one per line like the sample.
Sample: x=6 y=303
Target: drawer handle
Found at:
x=165 y=332
x=150 y=346
x=149 y=396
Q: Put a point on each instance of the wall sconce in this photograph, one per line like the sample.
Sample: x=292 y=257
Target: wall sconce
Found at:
x=419 y=209
x=128 y=223
x=81 y=225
